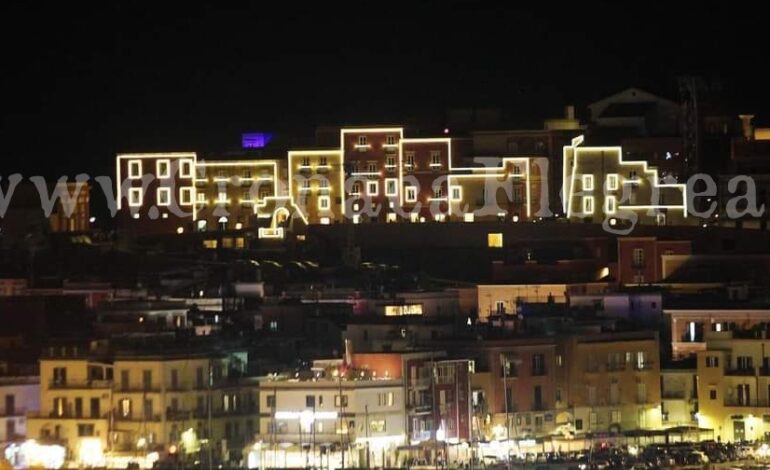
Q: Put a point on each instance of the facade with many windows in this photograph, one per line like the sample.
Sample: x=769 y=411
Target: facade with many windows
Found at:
x=376 y=174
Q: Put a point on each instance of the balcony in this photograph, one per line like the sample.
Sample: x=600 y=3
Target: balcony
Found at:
x=141 y=418
x=66 y=415
x=13 y=413
x=740 y=372
x=750 y=403
x=79 y=384
x=421 y=436
x=139 y=389
x=420 y=383
x=419 y=408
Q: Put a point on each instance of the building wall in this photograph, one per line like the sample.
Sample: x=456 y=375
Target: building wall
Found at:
x=149 y=215
x=19 y=395
x=679 y=397
x=231 y=190
x=489 y=295
x=633 y=270
x=610 y=386
x=634 y=188
x=370 y=163
x=324 y=170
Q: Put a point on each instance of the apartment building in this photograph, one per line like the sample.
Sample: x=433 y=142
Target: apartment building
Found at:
x=20 y=395
x=601 y=187
x=613 y=381
x=108 y=399
x=336 y=411
x=734 y=384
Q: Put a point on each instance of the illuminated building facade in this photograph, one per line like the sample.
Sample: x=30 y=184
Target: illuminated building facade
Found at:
x=613 y=382
x=227 y=193
x=734 y=385
x=376 y=174
x=600 y=186
x=304 y=422
x=138 y=402
x=156 y=191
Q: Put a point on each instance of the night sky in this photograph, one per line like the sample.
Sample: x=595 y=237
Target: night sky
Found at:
x=80 y=84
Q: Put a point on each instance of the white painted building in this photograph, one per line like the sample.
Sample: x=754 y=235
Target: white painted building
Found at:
x=19 y=395
x=306 y=422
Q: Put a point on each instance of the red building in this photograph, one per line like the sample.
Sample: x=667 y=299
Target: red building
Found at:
x=372 y=158
x=639 y=258
x=156 y=192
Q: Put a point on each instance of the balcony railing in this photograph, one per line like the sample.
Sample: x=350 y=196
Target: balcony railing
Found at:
x=741 y=371
x=746 y=403
x=79 y=384
x=66 y=415
x=152 y=388
x=138 y=417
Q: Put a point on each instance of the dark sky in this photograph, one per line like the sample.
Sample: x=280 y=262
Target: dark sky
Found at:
x=79 y=85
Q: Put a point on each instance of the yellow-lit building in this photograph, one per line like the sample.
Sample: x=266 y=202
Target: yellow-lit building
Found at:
x=316 y=184
x=509 y=190
x=228 y=192
x=734 y=385
x=103 y=402
x=614 y=381
x=599 y=186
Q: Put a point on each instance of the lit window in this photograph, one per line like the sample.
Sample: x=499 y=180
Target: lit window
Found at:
x=201 y=196
x=135 y=169
x=323 y=184
x=516 y=170
x=372 y=188
x=610 y=204
x=495 y=240
x=411 y=194
x=391 y=185
x=390 y=140
x=468 y=217
x=162 y=168
x=637 y=257
x=135 y=197
x=363 y=140
x=435 y=158
x=409 y=159
x=305 y=162
x=588 y=182
x=356 y=189
x=588 y=205
x=185 y=169
x=323 y=203
x=612 y=182
x=457 y=193
x=185 y=196
x=164 y=196
x=323 y=162
x=371 y=167
x=222 y=196
x=390 y=162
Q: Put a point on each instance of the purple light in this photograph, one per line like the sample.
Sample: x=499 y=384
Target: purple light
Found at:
x=255 y=140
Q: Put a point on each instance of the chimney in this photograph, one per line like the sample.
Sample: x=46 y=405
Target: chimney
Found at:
x=746 y=126
x=569 y=112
